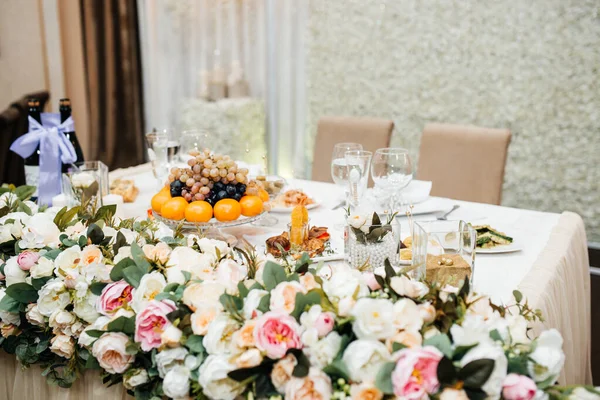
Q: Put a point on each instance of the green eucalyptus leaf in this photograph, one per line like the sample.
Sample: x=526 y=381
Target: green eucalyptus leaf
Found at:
x=476 y=373
x=273 y=275
x=194 y=344
x=441 y=342
x=383 y=381
x=122 y=324
x=22 y=292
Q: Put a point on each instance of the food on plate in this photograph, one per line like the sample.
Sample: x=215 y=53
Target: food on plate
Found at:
x=292 y=198
x=211 y=186
x=318 y=232
x=271 y=186
x=299 y=225
x=408 y=241
x=488 y=237
x=406 y=254
x=276 y=243
x=447 y=269
x=125 y=188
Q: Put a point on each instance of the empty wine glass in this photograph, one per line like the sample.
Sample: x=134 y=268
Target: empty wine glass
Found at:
x=192 y=141
x=392 y=171
x=339 y=168
x=357 y=163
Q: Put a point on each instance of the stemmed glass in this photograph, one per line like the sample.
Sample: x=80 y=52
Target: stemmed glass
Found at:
x=192 y=141
x=339 y=167
x=357 y=164
x=163 y=152
x=392 y=171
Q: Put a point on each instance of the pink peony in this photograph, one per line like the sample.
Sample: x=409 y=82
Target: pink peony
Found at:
x=275 y=333
x=518 y=387
x=27 y=259
x=324 y=323
x=113 y=297
x=151 y=323
x=415 y=374
x=372 y=283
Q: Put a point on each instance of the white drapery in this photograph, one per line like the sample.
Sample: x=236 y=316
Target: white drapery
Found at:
x=189 y=45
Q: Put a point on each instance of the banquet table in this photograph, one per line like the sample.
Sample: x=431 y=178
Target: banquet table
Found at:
x=551 y=269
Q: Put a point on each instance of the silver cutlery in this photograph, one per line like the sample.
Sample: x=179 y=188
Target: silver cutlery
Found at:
x=444 y=217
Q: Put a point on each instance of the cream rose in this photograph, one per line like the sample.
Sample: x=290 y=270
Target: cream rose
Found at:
x=170 y=358
x=248 y=359
x=214 y=380
x=187 y=259
x=85 y=308
x=324 y=351
x=283 y=297
x=364 y=358
x=134 y=378
x=150 y=285
x=210 y=247
x=199 y=294
x=67 y=262
x=406 y=338
x=34 y=316
x=244 y=337
x=91 y=254
x=110 y=351
x=548 y=358
x=219 y=337
x=13 y=273
x=315 y=386
x=7 y=317
x=203 y=316
x=493 y=386
x=427 y=312
x=374 y=318
x=53 y=296
x=407 y=315
x=43 y=268
x=365 y=391
x=282 y=372
x=171 y=336
x=157 y=253
x=405 y=286
x=229 y=273
x=345 y=282
x=176 y=383
x=62 y=345
x=251 y=303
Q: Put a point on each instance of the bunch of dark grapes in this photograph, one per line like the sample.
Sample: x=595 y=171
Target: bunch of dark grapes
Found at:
x=210 y=177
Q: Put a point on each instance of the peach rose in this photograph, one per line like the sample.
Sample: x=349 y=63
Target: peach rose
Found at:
x=202 y=317
x=365 y=391
x=282 y=372
x=244 y=337
x=407 y=338
x=315 y=386
x=283 y=297
x=90 y=254
x=248 y=359
x=276 y=333
x=308 y=281
x=110 y=351
x=159 y=253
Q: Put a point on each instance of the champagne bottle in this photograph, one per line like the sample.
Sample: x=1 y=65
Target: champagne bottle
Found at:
x=32 y=163
x=64 y=106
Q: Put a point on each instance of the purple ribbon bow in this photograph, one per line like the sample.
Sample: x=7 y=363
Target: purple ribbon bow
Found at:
x=55 y=150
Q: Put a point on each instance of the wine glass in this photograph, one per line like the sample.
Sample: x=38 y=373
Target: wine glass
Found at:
x=192 y=141
x=163 y=150
x=392 y=171
x=339 y=168
x=357 y=164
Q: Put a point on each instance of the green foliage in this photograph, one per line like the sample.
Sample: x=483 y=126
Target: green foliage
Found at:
x=273 y=275
x=22 y=292
x=383 y=381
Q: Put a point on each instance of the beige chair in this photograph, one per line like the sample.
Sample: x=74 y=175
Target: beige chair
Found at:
x=464 y=162
x=372 y=133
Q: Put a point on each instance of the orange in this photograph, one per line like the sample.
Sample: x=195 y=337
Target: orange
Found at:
x=159 y=199
x=174 y=208
x=227 y=210
x=199 y=211
x=251 y=206
x=263 y=194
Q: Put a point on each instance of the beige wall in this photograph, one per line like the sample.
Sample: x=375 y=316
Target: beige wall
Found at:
x=22 y=59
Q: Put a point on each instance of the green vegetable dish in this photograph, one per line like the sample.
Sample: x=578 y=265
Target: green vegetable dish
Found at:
x=488 y=237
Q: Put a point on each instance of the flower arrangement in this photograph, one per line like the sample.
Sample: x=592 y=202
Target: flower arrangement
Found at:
x=191 y=317
x=370 y=241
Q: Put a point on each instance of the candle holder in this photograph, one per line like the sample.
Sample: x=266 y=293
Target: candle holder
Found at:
x=85 y=184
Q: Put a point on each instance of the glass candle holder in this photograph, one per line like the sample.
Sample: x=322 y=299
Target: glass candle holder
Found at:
x=298 y=235
x=85 y=184
x=446 y=249
x=369 y=245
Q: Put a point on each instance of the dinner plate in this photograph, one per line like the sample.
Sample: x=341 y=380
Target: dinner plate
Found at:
x=281 y=209
x=505 y=248
x=336 y=245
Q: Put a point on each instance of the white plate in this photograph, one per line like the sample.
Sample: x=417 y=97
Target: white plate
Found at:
x=506 y=248
x=280 y=209
x=336 y=245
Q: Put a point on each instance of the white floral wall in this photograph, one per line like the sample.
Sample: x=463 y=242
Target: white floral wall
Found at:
x=531 y=66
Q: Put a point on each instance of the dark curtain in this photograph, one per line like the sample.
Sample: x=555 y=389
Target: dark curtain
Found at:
x=114 y=81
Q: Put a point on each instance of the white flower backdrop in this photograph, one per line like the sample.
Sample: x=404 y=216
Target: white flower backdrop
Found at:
x=530 y=66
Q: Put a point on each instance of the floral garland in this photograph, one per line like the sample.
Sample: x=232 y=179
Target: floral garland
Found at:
x=192 y=318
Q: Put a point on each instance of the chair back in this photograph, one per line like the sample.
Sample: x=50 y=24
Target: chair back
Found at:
x=13 y=123
x=464 y=162
x=372 y=133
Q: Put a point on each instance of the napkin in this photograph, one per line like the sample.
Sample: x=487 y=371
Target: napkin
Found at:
x=416 y=192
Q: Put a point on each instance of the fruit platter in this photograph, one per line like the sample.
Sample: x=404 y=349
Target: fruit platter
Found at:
x=211 y=192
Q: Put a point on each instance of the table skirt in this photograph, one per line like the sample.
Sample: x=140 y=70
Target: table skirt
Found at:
x=559 y=284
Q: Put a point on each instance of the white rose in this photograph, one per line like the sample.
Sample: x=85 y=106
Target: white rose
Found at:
x=53 y=296
x=356 y=221
x=43 y=268
x=480 y=305
x=346 y=306
x=82 y=179
x=344 y=282
x=446 y=291
x=67 y=262
x=85 y=308
x=282 y=372
x=199 y=294
x=171 y=336
x=249 y=358
x=176 y=383
x=453 y=394
x=43 y=229
x=583 y=394
x=167 y=359
x=159 y=253
x=187 y=259
x=324 y=351
x=473 y=330
x=517 y=327
x=150 y=285
x=123 y=253
x=252 y=301
x=134 y=378
x=493 y=386
x=219 y=337
x=211 y=246
x=230 y=273
x=13 y=273
x=100 y=324
x=427 y=311
x=7 y=317
x=283 y=296
x=131 y=236
x=62 y=345
x=203 y=316
x=61 y=319
x=374 y=318
x=75 y=231
x=548 y=358
x=97 y=272
x=33 y=315
x=405 y=286
x=6 y=234
x=407 y=315
x=8 y=199
x=317 y=385
x=364 y=358
x=214 y=380
x=19 y=216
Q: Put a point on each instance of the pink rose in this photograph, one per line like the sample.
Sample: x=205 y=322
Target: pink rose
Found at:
x=518 y=387
x=275 y=333
x=324 y=323
x=27 y=259
x=370 y=280
x=151 y=323
x=114 y=296
x=415 y=374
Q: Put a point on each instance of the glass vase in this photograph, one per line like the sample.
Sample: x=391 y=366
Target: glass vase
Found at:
x=86 y=184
